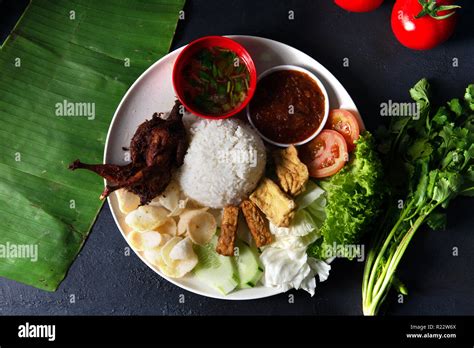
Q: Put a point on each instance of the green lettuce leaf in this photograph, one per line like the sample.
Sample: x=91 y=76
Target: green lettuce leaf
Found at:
x=353 y=200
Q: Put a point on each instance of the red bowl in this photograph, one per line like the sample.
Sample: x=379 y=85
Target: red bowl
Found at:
x=205 y=42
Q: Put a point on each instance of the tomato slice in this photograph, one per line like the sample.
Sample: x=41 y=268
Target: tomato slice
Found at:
x=344 y=122
x=325 y=155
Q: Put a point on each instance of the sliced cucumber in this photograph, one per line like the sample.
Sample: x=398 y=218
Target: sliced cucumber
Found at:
x=248 y=265
x=217 y=271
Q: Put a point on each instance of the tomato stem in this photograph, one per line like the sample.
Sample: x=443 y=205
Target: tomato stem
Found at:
x=431 y=8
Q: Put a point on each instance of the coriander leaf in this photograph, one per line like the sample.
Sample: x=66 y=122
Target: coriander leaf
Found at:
x=447 y=184
x=437 y=221
x=469 y=124
x=455 y=106
x=469 y=96
x=420 y=148
x=468 y=192
x=432 y=177
x=468 y=186
x=453 y=160
x=419 y=196
x=441 y=117
x=470 y=173
x=421 y=93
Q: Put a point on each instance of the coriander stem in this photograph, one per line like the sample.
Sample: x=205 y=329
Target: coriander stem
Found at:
x=397 y=256
x=370 y=286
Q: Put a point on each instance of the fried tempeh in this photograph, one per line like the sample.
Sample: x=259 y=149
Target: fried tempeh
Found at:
x=292 y=173
x=226 y=242
x=274 y=203
x=256 y=223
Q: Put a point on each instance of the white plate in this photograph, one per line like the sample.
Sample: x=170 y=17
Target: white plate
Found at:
x=153 y=92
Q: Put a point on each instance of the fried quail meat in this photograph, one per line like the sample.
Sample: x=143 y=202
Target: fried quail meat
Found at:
x=226 y=242
x=291 y=172
x=274 y=203
x=157 y=147
x=256 y=223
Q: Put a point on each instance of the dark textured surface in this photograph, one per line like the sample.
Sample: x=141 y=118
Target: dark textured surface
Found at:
x=105 y=281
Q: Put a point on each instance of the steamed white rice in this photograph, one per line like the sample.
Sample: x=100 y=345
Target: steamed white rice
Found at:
x=224 y=162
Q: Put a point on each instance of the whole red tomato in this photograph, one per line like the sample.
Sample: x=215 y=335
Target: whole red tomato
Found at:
x=423 y=24
x=358 y=5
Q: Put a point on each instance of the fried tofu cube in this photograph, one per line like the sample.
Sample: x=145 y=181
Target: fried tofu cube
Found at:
x=274 y=203
x=291 y=172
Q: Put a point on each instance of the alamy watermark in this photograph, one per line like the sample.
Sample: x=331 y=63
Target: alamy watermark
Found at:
x=76 y=109
x=395 y=109
x=350 y=251
x=28 y=330
x=238 y=156
x=19 y=251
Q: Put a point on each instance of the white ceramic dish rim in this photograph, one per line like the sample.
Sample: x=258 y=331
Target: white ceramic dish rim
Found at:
x=321 y=88
x=115 y=119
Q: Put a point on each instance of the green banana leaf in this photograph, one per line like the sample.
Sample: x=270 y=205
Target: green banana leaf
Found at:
x=61 y=53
